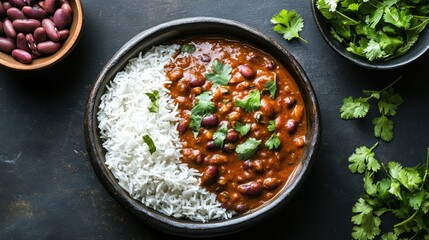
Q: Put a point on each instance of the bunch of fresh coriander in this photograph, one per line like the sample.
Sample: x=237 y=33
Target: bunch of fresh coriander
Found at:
x=374 y=29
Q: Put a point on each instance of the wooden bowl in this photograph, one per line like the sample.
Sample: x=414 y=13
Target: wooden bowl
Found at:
x=66 y=47
x=163 y=34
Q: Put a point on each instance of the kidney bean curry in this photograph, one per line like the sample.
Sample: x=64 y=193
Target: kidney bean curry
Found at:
x=243 y=119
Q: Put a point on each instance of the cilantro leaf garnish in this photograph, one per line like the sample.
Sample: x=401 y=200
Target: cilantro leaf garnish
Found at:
x=243 y=129
x=363 y=159
x=203 y=106
x=288 y=23
x=271 y=125
x=189 y=48
x=272 y=86
x=220 y=134
x=221 y=74
x=247 y=149
x=251 y=102
x=404 y=193
x=154 y=97
x=149 y=142
x=388 y=104
x=273 y=142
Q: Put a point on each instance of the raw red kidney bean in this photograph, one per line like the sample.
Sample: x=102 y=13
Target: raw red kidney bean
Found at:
x=39 y=34
x=50 y=29
x=6 y=5
x=14 y=13
x=60 y=19
x=2 y=10
x=17 y=3
x=41 y=4
x=26 y=25
x=6 y=45
x=34 y=12
x=1 y=27
x=21 y=42
x=31 y=42
x=64 y=34
x=48 y=47
x=8 y=28
x=50 y=6
x=68 y=11
x=22 y=56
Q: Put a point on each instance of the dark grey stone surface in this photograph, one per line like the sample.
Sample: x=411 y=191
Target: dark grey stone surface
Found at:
x=49 y=191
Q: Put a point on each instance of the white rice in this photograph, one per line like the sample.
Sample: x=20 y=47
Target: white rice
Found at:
x=158 y=180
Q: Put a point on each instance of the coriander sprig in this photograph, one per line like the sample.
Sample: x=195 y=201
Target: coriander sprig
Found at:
x=288 y=23
x=388 y=103
x=404 y=192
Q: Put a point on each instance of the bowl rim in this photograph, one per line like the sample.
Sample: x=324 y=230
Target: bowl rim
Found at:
x=187 y=227
x=65 y=49
x=378 y=65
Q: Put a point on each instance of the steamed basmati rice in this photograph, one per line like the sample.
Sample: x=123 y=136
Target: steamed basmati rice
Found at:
x=158 y=180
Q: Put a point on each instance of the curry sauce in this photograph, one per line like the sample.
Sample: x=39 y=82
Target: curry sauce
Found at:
x=243 y=119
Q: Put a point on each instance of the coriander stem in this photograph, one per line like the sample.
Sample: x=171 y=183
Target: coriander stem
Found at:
x=390 y=85
x=422 y=23
x=426 y=171
x=374 y=146
x=345 y=16
x=406 y=220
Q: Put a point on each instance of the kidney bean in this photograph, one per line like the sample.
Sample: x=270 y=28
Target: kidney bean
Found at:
x=60 y=19
x=271 y=183
x=14 y=13
x=17 y=3
x=232 y=136
x=217 y=159
x=258 y=116
x=50 y=6
x=175 y=74
x=228 y=148
x=26 y=25
x=22 y=56
x=252 y=56
x=209 y=121
x=291 y=126
x=270 y=65
x=21 y=42
x=209 y=175
x=290 y=102
x=64 y=34
x=31 y=42
x=182 y=126
x=2 y=10
x=51 y=30
x=41 y=4
x=6 y=6
x=241 y=207
x=197 y=82
x=246 y=71
x=68 y=11
x=8 y=28
x=223 y=197
x=299 y=142
x=298 y=113
x=48 y=47
x=210 y=145
x=252 y=188
x=267 y=107
x=6 y=45
x=199 y=159
x=1 y=27
x=35 y=12
x=40 y=34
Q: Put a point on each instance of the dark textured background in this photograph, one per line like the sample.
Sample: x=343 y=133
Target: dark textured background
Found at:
x=48 y=189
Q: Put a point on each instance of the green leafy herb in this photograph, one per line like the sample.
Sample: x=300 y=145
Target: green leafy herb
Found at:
x=376 y=30
x=203 y=106
x=272 y=86
x=149 y=142
x=220 y=134
x=388 y=103
x=243 y=129
x=221 y=74
x=288 y=23
x=189 y=48
x=363 y=159
x=251 y=102
x=271 y=125
x=247 y=149
x=404 y=192
x=273 y=142
x=154 y=97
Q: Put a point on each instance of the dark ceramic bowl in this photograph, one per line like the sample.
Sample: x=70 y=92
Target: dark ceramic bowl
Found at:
x=165 y=33
x=419 y=48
